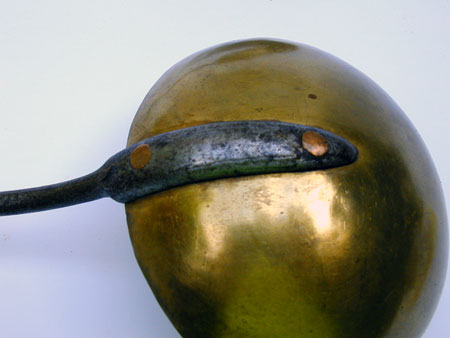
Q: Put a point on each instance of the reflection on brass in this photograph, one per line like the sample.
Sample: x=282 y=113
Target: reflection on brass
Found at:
x=140 y=156
x=354 y=251
x=314 y=143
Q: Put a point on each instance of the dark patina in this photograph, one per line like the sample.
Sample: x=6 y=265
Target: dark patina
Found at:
x=195 y=154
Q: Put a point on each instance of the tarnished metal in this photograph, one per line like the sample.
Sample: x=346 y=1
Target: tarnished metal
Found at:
x=191 y=155
x=354 y=251
x=80 y=190
x=221 y=150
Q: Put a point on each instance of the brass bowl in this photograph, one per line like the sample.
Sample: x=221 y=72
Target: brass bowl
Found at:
x=356 y=251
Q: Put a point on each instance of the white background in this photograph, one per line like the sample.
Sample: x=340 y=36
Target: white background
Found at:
x=72 y=75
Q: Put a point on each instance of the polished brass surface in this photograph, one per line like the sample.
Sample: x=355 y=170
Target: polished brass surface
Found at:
x=356 y=251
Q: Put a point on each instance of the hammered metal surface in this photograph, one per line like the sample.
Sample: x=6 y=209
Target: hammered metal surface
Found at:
x=356 y=251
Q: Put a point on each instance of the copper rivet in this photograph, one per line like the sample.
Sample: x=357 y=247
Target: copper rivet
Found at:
x=314 y=143
x=140 y=156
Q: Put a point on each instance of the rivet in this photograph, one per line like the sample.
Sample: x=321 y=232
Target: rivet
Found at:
x=140 y=156
x=314 y=143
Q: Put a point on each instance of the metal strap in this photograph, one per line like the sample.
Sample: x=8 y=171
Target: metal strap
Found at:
x=195 y=154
